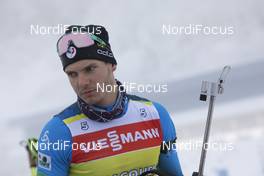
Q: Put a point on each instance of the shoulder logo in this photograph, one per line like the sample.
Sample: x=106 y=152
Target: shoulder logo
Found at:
x=45 y=137
x=44 y=161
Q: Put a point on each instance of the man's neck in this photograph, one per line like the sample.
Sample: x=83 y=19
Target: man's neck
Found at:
x=110 y=97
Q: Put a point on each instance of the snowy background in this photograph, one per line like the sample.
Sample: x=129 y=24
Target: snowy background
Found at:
x=33 y=86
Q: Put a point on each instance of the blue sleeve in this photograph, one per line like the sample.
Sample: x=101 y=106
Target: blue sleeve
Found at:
x=54 y=149
x=168 y=161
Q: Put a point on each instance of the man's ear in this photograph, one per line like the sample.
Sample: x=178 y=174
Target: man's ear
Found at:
x=113 y=67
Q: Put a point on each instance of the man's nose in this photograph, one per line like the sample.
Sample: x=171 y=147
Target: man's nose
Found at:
x=83 y=80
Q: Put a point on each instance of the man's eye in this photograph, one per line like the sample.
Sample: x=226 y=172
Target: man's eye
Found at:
x=72 y=74
x=90 y=69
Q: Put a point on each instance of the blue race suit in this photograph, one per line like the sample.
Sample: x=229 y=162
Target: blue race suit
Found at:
x=72 y=144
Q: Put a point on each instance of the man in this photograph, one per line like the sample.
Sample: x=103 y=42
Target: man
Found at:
x=104 y=132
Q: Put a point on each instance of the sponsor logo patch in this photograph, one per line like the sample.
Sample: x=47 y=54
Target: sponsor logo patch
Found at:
x=135 y=171
x=71 y=52
x=105 y=53
x=44 y=161
x=117 y=140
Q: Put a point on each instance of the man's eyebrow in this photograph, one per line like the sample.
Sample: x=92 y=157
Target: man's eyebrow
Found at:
x=88 y=66
x=68 y=71
x=84 y=68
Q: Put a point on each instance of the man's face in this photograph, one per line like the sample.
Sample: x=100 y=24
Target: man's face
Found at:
x=84 y=76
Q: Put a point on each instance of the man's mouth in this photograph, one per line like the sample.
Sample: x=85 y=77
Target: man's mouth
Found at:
x=88 y=92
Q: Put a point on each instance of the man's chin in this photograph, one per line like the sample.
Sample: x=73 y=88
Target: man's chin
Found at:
x=90 y=100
